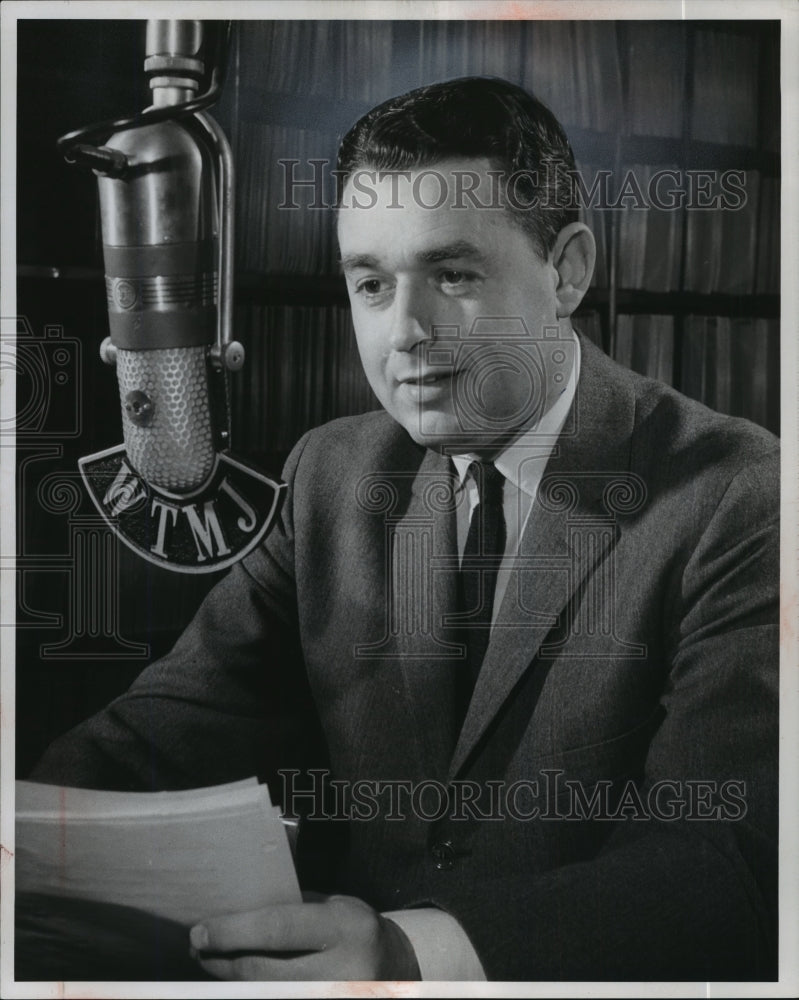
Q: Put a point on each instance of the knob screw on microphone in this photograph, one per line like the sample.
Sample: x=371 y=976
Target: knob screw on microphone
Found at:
x=108 y=352
x=139 y=408
x=229 y=357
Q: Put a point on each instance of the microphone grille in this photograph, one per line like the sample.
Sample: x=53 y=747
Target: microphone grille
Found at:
x=175 y=449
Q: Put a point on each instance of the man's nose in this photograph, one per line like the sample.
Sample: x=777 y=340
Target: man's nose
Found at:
x=410 y=324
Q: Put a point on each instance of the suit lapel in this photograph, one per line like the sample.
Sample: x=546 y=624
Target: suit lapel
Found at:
x=423 y=569
x=553 y=561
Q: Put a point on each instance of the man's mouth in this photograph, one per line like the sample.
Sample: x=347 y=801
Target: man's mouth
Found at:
x=428 y=388
x=427 y=378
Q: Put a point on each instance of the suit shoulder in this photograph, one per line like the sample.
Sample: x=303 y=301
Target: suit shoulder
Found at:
x=351 y=446
x=672 y=439
x=681 y=431
x=350 y=436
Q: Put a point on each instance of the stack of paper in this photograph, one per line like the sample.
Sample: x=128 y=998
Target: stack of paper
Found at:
x=180 y=855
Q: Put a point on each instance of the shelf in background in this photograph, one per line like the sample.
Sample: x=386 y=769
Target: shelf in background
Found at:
x=588 y=144
x=633 y=301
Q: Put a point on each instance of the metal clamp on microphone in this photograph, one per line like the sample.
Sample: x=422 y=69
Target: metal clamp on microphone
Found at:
x=166 y=188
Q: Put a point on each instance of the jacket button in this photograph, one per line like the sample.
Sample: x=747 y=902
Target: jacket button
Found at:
x=444 y=855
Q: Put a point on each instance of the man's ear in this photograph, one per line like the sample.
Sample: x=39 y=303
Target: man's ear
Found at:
x=573 y=257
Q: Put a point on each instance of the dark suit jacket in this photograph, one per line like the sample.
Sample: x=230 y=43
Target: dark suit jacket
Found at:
x=629 y=692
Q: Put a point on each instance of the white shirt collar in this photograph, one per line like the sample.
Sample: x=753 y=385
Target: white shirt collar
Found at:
x=537 y=442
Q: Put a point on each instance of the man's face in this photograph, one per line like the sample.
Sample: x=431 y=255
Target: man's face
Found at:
x=450 y=306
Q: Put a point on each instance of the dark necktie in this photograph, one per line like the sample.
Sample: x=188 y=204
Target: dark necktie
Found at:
x=485 y=546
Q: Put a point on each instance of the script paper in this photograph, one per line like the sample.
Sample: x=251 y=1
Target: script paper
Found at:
x=183 y=856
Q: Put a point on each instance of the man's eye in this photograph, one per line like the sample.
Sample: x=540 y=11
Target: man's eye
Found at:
x=457 y=282
x=371 y=286
x=454 y=277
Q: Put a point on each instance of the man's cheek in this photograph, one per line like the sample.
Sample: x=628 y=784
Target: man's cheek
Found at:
x=376 y=377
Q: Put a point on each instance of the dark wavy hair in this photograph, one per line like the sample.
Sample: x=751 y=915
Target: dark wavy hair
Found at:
x=474 y=117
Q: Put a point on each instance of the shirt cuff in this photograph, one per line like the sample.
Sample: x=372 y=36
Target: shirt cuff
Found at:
x=443 y=950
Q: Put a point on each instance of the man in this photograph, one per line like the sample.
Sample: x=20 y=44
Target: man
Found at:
x=526 y=618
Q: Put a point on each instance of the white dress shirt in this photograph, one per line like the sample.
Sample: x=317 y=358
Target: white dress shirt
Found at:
x=522 y=464
x=443 y=949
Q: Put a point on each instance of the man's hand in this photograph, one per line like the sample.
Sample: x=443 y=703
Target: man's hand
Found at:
x=333 y=938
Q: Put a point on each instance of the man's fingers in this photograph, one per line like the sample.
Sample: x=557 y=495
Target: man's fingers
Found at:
x=246 y=968
x=284 y=927
x=340 y=938
x=311 y=896
x=268 y=968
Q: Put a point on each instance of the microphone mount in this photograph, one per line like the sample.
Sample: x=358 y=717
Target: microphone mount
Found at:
x=175 y=70
x=173 y=63
x=173 y=492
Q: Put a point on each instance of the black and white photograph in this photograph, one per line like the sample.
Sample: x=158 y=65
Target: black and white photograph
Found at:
x=398 y=446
